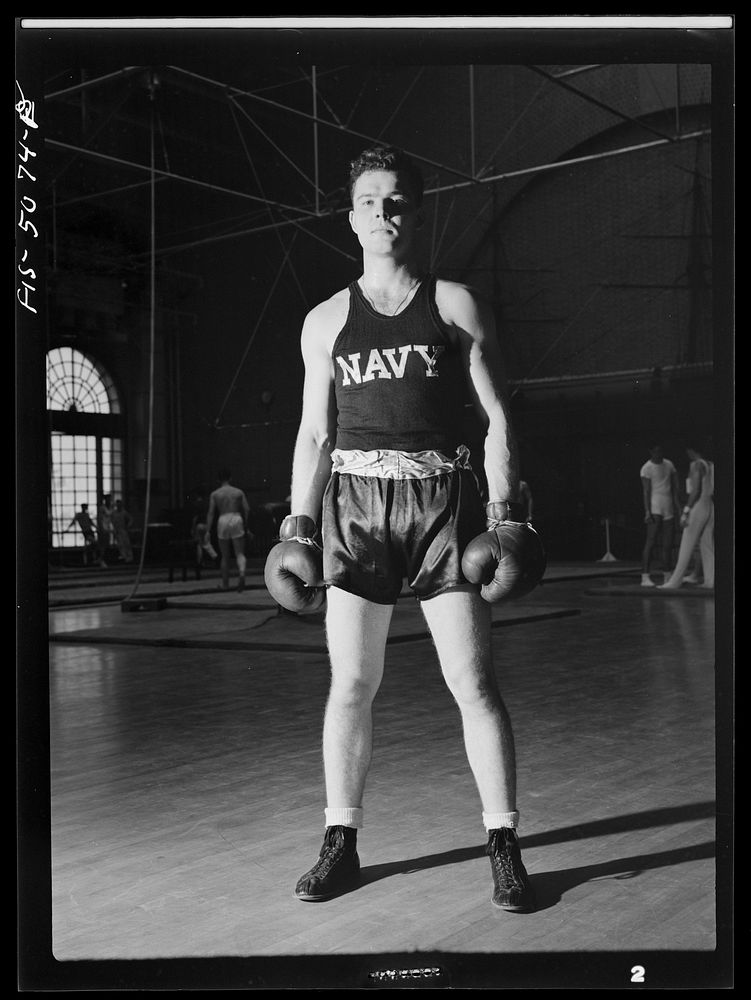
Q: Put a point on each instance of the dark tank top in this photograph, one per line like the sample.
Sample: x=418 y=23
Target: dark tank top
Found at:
x=399 y=380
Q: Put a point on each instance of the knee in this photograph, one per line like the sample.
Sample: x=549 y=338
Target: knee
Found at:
x=472 y=691
x=352 y=691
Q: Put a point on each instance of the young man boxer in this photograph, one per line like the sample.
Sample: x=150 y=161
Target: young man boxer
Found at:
x=381 y=474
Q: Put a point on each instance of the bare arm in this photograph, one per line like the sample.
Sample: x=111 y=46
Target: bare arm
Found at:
x=695 y=476
x=473 y=320
x=311 y=464
x=646 y=490
x=675 y=491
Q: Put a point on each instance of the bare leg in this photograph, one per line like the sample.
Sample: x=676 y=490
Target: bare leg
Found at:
x=459 y=621
x=225 y=549
x=356 y=632
x=653 y=527
x=239 y=547
x=460 y=624
x=668 y=530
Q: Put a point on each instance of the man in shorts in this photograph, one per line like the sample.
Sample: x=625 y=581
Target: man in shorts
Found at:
x=91 y=549
x=659 y=485
x=229 y=506
x=381 y=471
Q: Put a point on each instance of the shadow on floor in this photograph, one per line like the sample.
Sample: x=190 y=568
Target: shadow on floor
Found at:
x=550 y=886
x=620 y=824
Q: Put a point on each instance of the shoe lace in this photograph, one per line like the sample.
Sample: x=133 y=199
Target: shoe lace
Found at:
x=326 y=861
x=331 y=852
x=503 y=864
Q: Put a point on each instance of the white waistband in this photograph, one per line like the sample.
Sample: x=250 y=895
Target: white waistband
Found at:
x=389 y=464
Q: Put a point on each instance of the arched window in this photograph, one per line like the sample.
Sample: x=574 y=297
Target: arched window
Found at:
x=86 y=461
x=75 y=383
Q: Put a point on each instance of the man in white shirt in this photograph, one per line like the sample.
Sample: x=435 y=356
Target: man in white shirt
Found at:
x=659 y=482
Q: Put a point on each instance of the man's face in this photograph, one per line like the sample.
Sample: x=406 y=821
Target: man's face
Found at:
x=657 y=455
x=384 y=214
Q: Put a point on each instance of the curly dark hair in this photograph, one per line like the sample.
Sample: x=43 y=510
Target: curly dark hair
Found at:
x=388 y=158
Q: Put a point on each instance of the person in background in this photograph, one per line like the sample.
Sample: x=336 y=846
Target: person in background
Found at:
x=199 y=532
x=121 y=524
x=104 y=519
x=659 y=482
x=697 y=520
x=91 y=550
x=229 y=507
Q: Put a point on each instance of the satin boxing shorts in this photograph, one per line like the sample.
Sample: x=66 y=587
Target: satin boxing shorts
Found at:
x=392 y=516
x=230 y=526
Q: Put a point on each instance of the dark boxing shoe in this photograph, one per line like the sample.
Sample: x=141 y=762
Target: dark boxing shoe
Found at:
x=337 y=869
x=512 y=889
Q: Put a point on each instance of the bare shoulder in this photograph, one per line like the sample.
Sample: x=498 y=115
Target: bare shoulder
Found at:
x=459 y=304
x=464 y=309
x=324 y=321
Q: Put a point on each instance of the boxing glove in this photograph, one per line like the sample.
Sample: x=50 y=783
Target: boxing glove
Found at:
x=294 y=567
x=508 y=561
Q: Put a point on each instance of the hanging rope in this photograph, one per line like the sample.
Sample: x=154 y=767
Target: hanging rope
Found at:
x=152 y=344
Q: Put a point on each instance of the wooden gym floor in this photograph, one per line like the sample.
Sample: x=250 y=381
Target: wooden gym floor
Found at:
x=186 y=793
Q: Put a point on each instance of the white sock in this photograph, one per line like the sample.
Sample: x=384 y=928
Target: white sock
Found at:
x=494 y=821
x=344 y=816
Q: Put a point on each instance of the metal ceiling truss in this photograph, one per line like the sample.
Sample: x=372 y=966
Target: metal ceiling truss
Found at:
x=301 y=214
